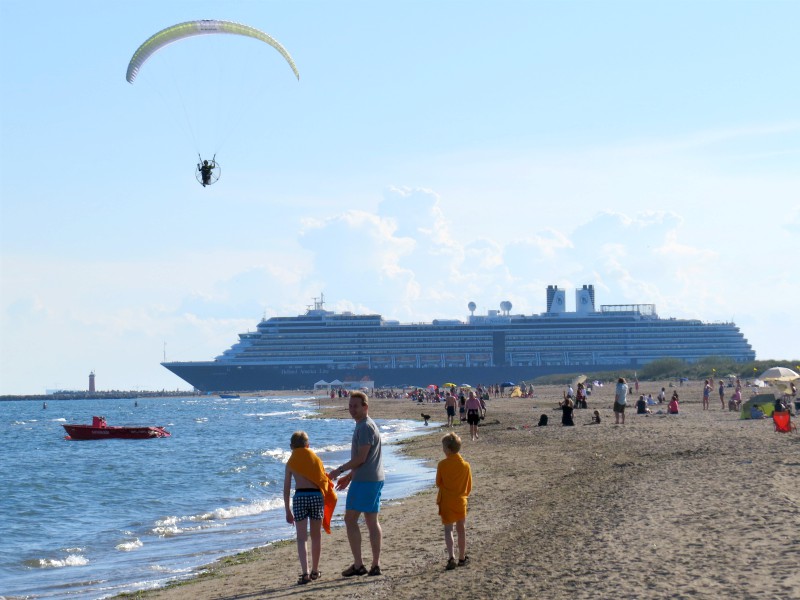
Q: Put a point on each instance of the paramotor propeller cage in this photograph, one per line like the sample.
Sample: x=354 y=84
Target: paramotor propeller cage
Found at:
x=216 y=171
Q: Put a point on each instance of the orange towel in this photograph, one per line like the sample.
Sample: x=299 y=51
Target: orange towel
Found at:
x=307 y=464
x=454 y=480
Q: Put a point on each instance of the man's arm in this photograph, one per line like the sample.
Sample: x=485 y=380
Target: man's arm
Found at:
x=353 y=463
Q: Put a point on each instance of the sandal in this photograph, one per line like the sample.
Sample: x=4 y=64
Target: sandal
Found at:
x=463 y=562
x=374 y=570
x=304 y=579
x=354 y=570
x=451 y=564
x=315 y=575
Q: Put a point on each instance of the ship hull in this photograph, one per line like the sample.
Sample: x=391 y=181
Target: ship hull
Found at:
x=212 y=377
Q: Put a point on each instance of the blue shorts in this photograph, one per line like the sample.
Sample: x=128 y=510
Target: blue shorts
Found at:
x=364 y=496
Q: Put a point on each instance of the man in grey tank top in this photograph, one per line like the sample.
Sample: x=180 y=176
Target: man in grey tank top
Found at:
x=366 y=482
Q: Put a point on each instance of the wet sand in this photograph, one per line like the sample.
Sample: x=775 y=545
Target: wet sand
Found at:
x=697 y=505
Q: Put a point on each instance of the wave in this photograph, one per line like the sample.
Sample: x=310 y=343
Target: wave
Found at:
x=282 y=413
x=129 y=545
x=72 y=560
x=331 y=448
x=175 y=525
x=279 y=454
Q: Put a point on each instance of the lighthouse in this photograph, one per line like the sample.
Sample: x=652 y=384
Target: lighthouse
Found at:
x=91 y=382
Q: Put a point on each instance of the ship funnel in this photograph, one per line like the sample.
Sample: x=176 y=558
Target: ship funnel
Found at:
x=584 y=299
x=555 y=299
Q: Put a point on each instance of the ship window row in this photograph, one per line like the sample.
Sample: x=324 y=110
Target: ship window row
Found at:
x=515 y=337
x=530 y=358
x=561 y=329
x=417 y=348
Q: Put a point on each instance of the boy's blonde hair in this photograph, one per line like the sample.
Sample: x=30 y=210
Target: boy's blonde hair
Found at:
x=299 y=439
x=452 y=442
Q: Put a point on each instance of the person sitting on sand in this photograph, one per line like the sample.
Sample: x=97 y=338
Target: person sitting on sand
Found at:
x=641 y=406
x=566 y=412
x=313 y=502
x=756 y=412
x=673 y=407
x=454 y=480
x=595 y=418
x=735 y=403
x=542 y=421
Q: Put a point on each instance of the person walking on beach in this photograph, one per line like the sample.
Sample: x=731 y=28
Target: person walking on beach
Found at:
x=722 y=393
x=454 y=480
x=366 y=482
x=620 y=396
x=706 y=394
x=450 y=408
x=314 y=501
x=580 y=397
x=473 y=407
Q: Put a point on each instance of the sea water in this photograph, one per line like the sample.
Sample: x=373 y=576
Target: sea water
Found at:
x=91 y=519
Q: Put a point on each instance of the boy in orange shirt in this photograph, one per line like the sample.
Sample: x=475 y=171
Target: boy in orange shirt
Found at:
x=454 y=480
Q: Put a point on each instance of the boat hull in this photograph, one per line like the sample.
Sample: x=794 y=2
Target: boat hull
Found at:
x=89 y=432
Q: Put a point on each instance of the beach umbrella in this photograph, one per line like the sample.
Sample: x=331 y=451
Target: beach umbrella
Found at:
x=508 y=384
x=465 y=385
x=778 y=374
x=450 y=385
x=578 y=379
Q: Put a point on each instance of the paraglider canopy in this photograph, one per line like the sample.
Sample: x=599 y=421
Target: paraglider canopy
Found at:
x=203 y=27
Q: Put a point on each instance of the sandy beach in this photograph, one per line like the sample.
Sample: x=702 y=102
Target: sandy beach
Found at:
x=698 y=505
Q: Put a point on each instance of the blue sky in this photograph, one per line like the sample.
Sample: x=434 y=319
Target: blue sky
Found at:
x=432 y=154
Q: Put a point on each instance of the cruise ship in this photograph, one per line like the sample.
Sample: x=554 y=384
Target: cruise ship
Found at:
x=297 y=352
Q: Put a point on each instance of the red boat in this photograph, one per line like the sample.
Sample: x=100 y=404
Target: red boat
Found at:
x=98 y=430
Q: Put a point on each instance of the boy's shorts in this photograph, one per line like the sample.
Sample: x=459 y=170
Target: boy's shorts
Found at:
x=451 y=411
x=364 y=496
x=308 y=504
